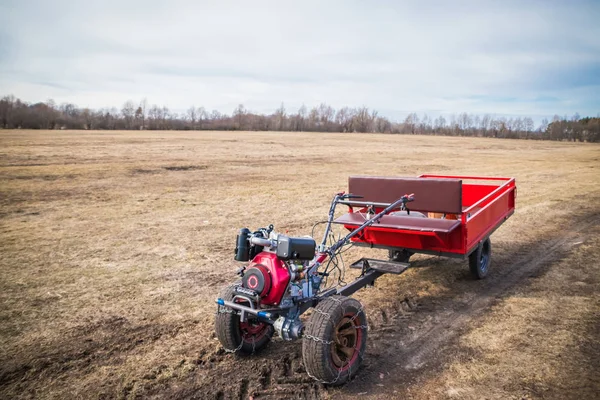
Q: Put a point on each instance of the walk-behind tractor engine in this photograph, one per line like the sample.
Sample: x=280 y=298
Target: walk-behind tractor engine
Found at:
x=286 y=276
x=276 y=274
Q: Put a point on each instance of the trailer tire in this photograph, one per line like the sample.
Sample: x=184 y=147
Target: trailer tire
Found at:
x=245 y=338
x=335 y=340
x=400 y=255
x=480 y=259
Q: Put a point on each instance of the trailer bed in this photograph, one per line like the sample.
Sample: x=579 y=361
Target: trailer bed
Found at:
x=461 y=212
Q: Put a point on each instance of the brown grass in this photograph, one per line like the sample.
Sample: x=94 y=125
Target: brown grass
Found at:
x=539 y=342
x=113 y=246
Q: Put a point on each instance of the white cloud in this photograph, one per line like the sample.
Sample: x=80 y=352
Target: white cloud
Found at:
x=536 y=58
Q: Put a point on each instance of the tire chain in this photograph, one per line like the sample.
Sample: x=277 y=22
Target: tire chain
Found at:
x=225 y=310
x=329 y=342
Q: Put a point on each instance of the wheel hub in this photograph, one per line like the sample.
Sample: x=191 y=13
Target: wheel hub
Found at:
x=253 y=330
x=346 y=336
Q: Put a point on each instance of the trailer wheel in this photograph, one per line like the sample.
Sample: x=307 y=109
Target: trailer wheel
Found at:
x=480 y=259
x=245 y=337
x=400 y=255
x=335 y=339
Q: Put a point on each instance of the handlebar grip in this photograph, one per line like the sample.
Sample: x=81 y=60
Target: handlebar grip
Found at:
x=353 y=196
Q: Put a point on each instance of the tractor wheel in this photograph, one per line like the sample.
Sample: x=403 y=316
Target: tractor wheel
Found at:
x=400 y=255
x=235 y=336
x=335 y=339
x=480 y=259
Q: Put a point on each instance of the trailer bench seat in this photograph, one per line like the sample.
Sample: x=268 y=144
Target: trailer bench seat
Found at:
x=443 y=196
x=431 y=195
x=400 y=222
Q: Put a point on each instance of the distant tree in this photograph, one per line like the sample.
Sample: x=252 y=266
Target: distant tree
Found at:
x=6 y=110
x=528 y=126
x=302 y=114
x=88 y=118
x=313 y=120
x=517 y=127
x=363 y=120
x=543 y=126
x=344 y=118
x=192 y=116
x=280 y=118
x=555 y=130
x=439 y=124
x=239 y=116
x=164 y=117
x=139 y=117
x=128 y=112
x=143 y=111
x=464 y=123
x=485 y=124
x=15 y=113
x=202 y=116
x=215 y=115
x=326 y=117
x=425 y=125
x=383 y=125
x=154 y=117
x=410 y=123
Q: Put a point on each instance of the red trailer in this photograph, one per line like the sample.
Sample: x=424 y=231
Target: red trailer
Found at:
x=451 y=215
x=286 y=276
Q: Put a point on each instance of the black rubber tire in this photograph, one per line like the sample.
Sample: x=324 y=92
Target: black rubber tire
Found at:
x=400 y=255
x=229 y=331
x=319 y=341
x=481 y=259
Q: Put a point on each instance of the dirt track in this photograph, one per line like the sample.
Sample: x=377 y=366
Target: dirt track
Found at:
x=114 y=245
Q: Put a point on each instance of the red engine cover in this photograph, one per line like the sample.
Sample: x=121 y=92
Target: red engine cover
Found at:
x=280 y=277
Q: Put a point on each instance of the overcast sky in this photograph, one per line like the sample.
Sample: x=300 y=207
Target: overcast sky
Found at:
x=533 y=58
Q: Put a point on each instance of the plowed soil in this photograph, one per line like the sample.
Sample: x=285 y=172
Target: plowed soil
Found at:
x=114 y=245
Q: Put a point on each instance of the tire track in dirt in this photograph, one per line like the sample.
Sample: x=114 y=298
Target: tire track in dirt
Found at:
x=273 y=373
x=414 y=354
x=99 y=343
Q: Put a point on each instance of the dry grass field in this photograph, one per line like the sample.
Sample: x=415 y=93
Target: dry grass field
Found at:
x=114 y=245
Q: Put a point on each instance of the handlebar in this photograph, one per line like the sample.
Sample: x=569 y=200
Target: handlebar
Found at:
x=400 y=202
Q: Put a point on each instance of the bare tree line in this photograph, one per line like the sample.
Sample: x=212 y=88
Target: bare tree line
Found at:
x=16 y=114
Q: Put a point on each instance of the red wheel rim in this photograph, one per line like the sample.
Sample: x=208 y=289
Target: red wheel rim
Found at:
x=347 y=337
x=253 y=331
